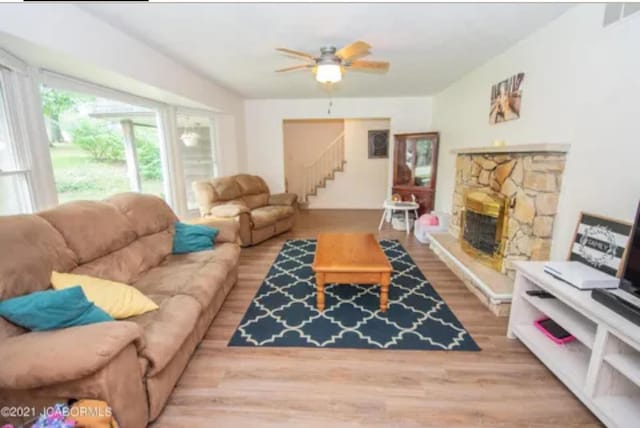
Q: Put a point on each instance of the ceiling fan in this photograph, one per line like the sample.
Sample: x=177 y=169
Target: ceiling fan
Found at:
x=332 y=62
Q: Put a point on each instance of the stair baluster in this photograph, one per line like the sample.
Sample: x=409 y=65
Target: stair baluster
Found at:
x=318 y=172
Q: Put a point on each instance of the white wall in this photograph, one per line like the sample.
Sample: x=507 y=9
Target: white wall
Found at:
x=363 y=183
x=264 y=118
x=581 y=87
x=70 y=40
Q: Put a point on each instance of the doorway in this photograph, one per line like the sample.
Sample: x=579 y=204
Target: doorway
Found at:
x=304 y=141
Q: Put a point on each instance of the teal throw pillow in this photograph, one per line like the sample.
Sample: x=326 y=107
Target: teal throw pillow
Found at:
x=190 y=238
x=52 y=310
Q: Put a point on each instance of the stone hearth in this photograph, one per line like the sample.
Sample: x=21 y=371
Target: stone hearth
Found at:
x=530 y=176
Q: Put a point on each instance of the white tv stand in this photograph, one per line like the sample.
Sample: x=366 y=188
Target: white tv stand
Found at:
x=601 y=367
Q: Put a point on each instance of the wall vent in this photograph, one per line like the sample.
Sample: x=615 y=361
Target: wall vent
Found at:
x=614 y=12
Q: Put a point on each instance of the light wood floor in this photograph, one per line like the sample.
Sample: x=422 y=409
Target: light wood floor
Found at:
x=501 y=386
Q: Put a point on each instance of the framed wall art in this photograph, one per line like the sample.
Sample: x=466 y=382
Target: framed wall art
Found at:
x=505 y=99
x=378 y=144
x=600 y=242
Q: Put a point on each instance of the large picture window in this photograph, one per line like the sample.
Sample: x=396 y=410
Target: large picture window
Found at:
x=63 y=139
x=100 y=146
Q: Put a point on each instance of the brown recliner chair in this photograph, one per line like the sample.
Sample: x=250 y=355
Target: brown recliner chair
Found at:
x=246 y=198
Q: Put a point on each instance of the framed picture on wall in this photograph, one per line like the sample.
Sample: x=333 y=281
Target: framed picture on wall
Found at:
x=505 y=99
x=378 y=144
x=600 y=242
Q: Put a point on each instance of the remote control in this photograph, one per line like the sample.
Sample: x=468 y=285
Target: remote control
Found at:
x=541 y=294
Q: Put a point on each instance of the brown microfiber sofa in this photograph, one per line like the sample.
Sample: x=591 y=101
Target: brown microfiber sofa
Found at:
x=132 y=364
x=246 y=198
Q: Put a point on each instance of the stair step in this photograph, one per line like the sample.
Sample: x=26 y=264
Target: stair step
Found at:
x=322 y=184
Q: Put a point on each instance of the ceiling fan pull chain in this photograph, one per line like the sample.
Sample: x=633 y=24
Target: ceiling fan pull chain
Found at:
x=329 y=87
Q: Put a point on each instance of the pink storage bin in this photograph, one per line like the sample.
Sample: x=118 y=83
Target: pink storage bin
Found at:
x=429 y=220
x=422 y=231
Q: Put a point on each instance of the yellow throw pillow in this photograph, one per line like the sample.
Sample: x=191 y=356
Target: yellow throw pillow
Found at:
x=117 y=299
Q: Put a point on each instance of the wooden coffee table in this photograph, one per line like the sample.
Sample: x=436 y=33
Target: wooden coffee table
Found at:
x=346 y=258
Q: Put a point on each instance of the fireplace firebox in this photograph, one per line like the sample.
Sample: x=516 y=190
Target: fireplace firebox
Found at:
x=484 y=226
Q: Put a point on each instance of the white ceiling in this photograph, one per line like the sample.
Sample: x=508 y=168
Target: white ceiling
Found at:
x=429 y=45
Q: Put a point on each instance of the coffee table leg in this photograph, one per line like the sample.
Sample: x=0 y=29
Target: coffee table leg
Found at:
x=320 y=291
x=384 y=292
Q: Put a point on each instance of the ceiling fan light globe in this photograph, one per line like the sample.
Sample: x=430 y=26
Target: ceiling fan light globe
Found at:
x=328 y=73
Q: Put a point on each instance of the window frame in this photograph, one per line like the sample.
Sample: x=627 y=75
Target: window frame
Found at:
x=12 y=106
x=215 y=149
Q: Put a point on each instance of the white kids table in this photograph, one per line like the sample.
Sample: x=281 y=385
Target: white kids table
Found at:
x=391 y=206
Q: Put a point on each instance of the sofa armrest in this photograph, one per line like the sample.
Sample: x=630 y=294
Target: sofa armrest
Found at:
x=228 y=228
x=228 y=210
x=38 y=359
x=283 y=199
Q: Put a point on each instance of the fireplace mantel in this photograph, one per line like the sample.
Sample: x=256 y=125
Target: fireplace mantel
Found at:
x=518 y=148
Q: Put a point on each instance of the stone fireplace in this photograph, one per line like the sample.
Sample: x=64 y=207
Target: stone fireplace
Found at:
x=504 y=205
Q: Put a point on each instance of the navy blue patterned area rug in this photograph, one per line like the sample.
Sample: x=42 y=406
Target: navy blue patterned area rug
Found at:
x=283 y=312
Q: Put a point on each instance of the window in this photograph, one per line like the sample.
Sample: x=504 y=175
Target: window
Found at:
x=14 y=189
x=101 y=141
x=100 y=146
x=197 y=151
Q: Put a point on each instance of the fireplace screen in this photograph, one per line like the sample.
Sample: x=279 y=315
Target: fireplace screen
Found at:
x=483 y=226
x=480 y=232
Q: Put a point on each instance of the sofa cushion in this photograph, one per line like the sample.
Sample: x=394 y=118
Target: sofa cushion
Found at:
x=256 y=201
x=129 y=263
x=117 y=299
x=91 y=228
x=251 y=184
x=31 y=248
x=225 y=253
x=225 y=189
x=229 y=209
x=52 y=310
x=270 y=214
x=199 y=275
x=147 y=214
x=191 y=238
x=166 y=329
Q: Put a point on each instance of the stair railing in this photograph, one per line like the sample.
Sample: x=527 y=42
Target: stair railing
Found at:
x=322 y=168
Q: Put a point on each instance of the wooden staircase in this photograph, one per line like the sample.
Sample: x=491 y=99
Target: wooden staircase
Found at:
x=323 y=169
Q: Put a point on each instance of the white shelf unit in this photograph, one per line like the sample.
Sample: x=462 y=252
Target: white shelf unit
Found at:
x=602 y=366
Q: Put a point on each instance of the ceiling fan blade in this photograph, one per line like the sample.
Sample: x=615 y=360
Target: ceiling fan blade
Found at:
x=354 y=50
x=295 y=67
x=296 y=53
x=379 y=66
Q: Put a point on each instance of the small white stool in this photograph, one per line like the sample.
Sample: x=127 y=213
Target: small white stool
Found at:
x=391 y=206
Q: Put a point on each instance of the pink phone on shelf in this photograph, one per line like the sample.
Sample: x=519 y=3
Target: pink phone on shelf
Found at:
x=553 y=331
